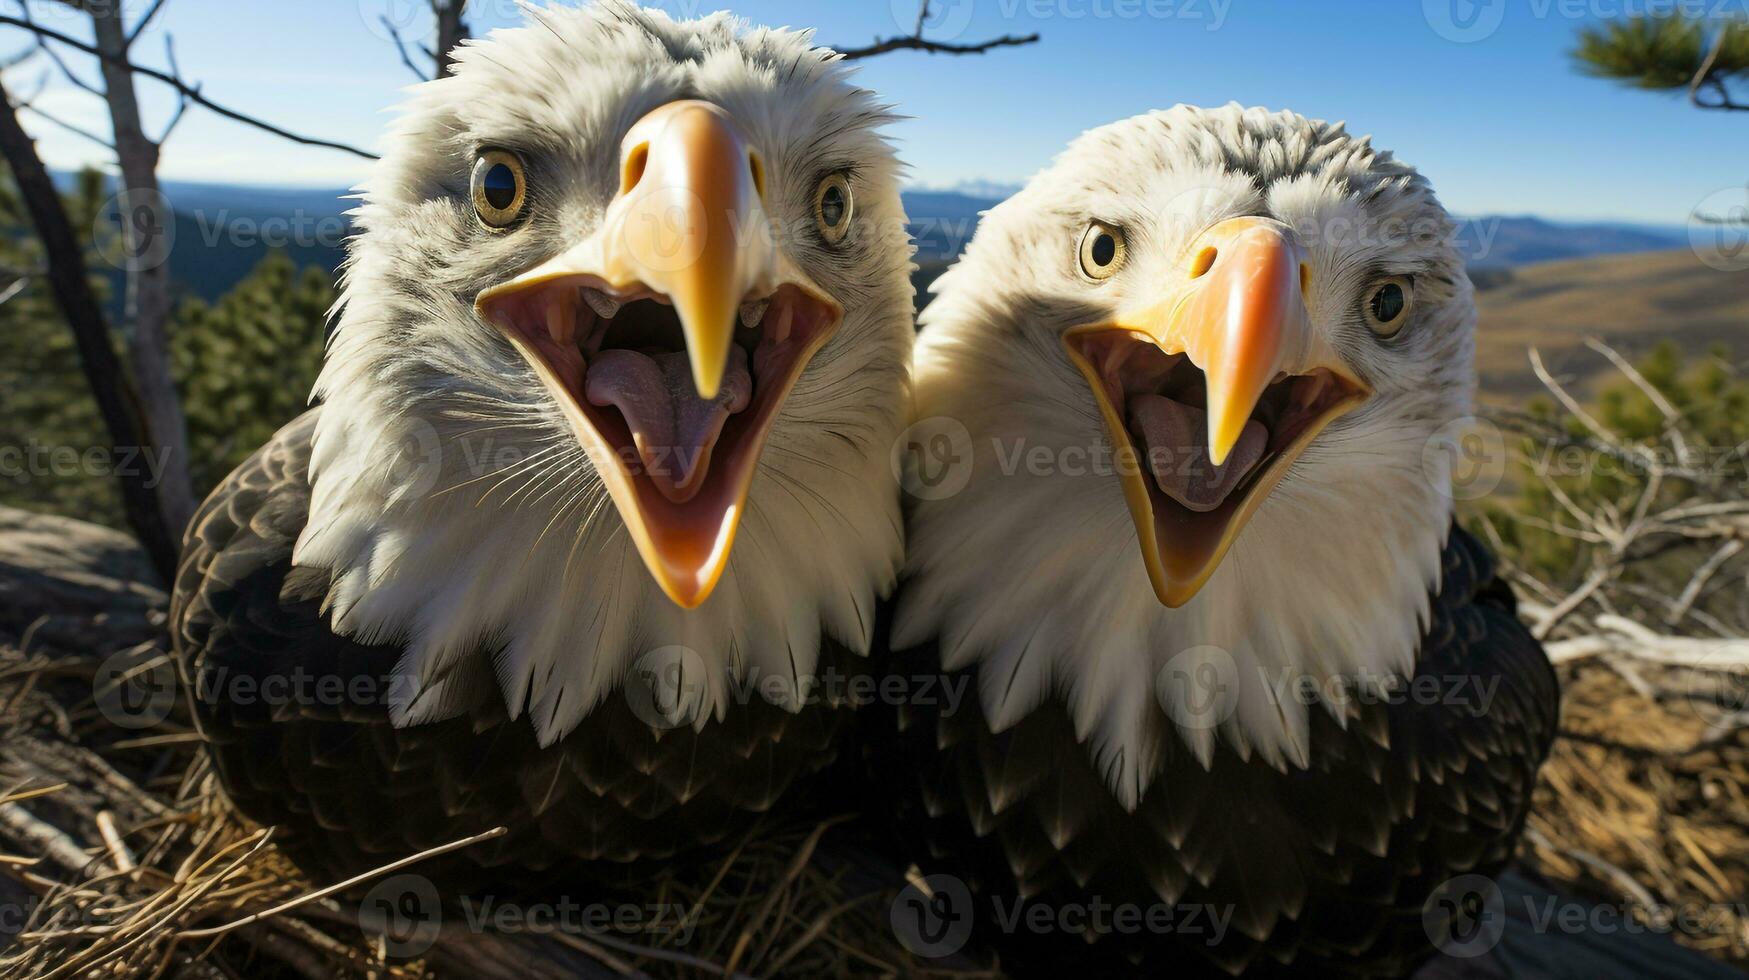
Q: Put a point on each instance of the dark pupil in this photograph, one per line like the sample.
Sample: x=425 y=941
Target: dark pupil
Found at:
x=500 y=186
x=832 y=207
x=1104 y=250
x=1387 y=303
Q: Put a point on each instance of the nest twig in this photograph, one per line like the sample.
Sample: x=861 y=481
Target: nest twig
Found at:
x=132 y=863
x=1645 y=801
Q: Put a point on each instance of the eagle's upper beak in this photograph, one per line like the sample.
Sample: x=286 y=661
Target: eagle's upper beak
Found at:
x=1209 y=394
x=671 y=337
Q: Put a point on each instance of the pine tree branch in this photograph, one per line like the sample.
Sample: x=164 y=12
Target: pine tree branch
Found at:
x=1704 y=76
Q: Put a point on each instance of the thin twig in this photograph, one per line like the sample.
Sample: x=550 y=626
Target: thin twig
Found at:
x=145 y=21
x=191 y=92
x=401 y=47
x=915 y=41
x=322 y=893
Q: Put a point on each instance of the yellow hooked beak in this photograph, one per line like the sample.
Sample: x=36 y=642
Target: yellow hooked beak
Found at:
x=1232 y=346
x=684 y=244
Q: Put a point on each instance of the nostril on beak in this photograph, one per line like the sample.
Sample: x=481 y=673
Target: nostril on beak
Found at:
x=1305 y=281
x=756 y=166
x=1204 y=261
x=636 y=162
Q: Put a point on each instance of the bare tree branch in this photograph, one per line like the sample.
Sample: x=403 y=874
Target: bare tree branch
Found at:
x=182 y=101
x=25 y=101
x=915 y=41
x=54 y=56
x=71 y=286
x=148 y=301
x=1672 y=418
x=401 y=46
x=56 y=121
x=451 y=30
x=1698 y=528
x=191 y=92
x=140 y=28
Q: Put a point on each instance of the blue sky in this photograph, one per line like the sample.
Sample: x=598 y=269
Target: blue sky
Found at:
x=1478 y=93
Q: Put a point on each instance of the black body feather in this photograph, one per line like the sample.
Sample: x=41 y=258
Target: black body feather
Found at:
x=1323 y=870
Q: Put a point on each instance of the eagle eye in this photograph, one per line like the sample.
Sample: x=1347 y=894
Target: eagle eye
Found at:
x=834 y=208
x=1103 y=250
x=1388 y=304
x=500 y=188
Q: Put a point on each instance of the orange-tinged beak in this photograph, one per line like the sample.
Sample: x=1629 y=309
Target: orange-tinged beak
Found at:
x=684 y=265
x=1210 y=394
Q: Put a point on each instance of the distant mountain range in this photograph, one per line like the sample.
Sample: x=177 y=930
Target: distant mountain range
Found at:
x=223 y=230
x=1498 y=241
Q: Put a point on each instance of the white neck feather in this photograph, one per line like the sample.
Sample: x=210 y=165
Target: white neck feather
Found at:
x=1038 y=582
x=437 y=542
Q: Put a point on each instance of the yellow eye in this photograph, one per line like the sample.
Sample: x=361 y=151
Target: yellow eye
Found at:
x=834 y=208
x=500 y=188
x=1388 y=304
x=1102 y=251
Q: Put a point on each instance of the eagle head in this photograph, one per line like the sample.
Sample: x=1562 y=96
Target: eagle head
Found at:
x=622 y=345
x=1207 y=361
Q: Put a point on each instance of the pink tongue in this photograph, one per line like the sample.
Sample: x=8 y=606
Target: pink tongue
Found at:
x=673 y=429
x=1172 y=432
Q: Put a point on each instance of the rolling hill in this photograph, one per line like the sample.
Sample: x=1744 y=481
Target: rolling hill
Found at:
x=1631 y=302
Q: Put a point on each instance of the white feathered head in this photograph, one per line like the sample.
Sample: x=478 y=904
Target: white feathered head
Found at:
x=621 y=350
x=1205 y=363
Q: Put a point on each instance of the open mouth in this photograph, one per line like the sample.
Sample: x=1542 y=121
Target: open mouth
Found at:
x=617 y=361
x=1155 y=406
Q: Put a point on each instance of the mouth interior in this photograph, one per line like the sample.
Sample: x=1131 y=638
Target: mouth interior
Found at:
x=621 y=358
x=1163 y=401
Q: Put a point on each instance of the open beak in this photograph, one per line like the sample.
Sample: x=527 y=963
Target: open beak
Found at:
x=671 y=337
x=1210 y=394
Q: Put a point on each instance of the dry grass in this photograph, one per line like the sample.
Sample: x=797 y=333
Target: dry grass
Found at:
x=135 y=865
x=1630 y=301
x=1645 y=801
x=1643 y=805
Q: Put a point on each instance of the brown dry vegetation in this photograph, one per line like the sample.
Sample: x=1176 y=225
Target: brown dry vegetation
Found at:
x=1631 y=302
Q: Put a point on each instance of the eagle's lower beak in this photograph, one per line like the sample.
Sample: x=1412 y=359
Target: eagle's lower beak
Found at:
x=1210 y=394
x=671 y=337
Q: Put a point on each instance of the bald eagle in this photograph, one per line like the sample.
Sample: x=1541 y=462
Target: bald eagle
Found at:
x=1230 y=652
x=596 y=482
